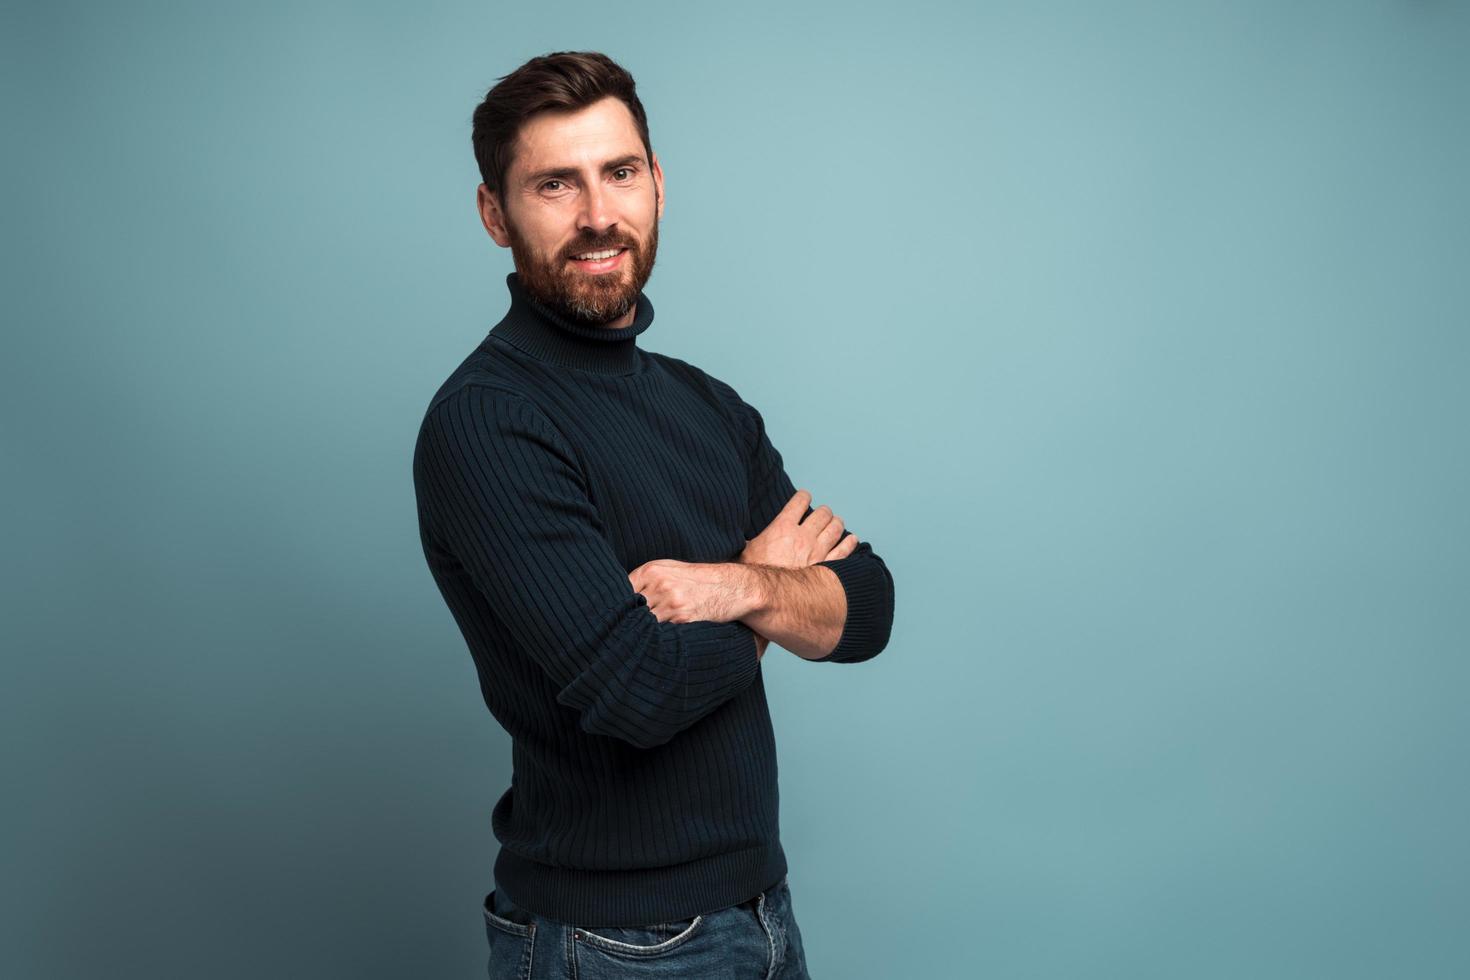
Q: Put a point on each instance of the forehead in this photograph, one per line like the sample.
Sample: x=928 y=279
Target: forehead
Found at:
x=584 y=136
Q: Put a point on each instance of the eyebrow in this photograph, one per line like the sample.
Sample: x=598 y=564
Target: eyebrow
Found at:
x=562 y=173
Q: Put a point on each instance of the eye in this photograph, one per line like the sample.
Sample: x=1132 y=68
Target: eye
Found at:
x=624 y=170
x=547 y=185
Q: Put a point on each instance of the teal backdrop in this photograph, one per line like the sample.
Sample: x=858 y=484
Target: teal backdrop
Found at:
x=1132 y=335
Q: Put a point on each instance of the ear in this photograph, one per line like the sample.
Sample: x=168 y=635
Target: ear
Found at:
x=658 y=184
x=491 y=215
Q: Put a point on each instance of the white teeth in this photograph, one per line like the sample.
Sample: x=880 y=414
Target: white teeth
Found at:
x=604 y=254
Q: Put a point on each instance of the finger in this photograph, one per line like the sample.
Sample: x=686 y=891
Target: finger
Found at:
x=795 y=507
x=831 y=534
x=818 y=518
x=844 y=547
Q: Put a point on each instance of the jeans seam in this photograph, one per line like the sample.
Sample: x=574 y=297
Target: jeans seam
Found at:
x=760 y=912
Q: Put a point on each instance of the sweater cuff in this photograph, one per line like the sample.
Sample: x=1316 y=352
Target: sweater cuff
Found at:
x=865 y=632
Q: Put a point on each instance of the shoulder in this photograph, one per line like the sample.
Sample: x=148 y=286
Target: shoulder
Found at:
x=478 y=419
x=711 y=387
x=484 y=370
x=487 y=379
x=475 y=391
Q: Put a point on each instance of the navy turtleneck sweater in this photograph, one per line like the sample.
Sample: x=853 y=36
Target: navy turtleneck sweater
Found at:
x=555 y=459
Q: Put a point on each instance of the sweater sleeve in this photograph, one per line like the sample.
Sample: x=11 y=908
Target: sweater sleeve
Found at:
x=865 y=578
x=500 y=489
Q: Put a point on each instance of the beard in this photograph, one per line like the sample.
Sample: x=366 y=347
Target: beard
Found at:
x=593 y=298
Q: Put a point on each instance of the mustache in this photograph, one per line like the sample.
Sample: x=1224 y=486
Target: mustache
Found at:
x=596 y=245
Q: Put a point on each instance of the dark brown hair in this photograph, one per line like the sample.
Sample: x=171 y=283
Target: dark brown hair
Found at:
x=560 y=81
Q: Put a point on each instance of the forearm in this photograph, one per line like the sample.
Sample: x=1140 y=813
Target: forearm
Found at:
x=800 y=609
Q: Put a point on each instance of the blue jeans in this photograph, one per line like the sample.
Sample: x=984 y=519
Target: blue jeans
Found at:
x=755 y=940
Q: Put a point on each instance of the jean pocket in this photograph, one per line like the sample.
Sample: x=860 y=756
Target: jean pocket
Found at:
x=640 y=941
x=521 y=930
x=512 y=943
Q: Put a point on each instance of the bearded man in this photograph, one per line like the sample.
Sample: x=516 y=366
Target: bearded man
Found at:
x=618 y=541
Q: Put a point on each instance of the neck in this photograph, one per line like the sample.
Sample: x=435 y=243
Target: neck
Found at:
x=549 y=336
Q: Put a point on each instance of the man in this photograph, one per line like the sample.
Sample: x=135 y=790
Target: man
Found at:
x=618 y=541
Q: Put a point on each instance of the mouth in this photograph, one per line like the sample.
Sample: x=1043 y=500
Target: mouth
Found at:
x=600 y=260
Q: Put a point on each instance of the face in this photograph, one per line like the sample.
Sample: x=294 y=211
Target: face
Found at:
x=580 y=182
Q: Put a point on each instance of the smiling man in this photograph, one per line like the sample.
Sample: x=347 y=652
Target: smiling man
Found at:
x=617 y=539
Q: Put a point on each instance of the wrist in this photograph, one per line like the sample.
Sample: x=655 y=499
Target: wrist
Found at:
x=753 y=588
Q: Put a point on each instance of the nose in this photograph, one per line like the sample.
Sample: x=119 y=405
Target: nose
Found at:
x=596 y=214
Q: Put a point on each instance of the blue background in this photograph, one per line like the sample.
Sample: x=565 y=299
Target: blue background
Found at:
x=1133 y=336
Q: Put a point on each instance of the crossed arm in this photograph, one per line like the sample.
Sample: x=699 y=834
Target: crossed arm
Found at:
x=775 y=588
x=802 y=579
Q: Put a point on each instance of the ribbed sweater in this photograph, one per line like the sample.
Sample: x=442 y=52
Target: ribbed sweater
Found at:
x=555 y=459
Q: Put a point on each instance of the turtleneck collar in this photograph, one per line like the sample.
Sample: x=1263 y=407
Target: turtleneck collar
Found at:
x=547 y=335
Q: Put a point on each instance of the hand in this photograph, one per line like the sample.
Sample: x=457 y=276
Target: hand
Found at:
x=790 y=542
x=690 y=592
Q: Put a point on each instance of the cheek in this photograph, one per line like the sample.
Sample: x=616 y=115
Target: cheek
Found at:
x=549 y=228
